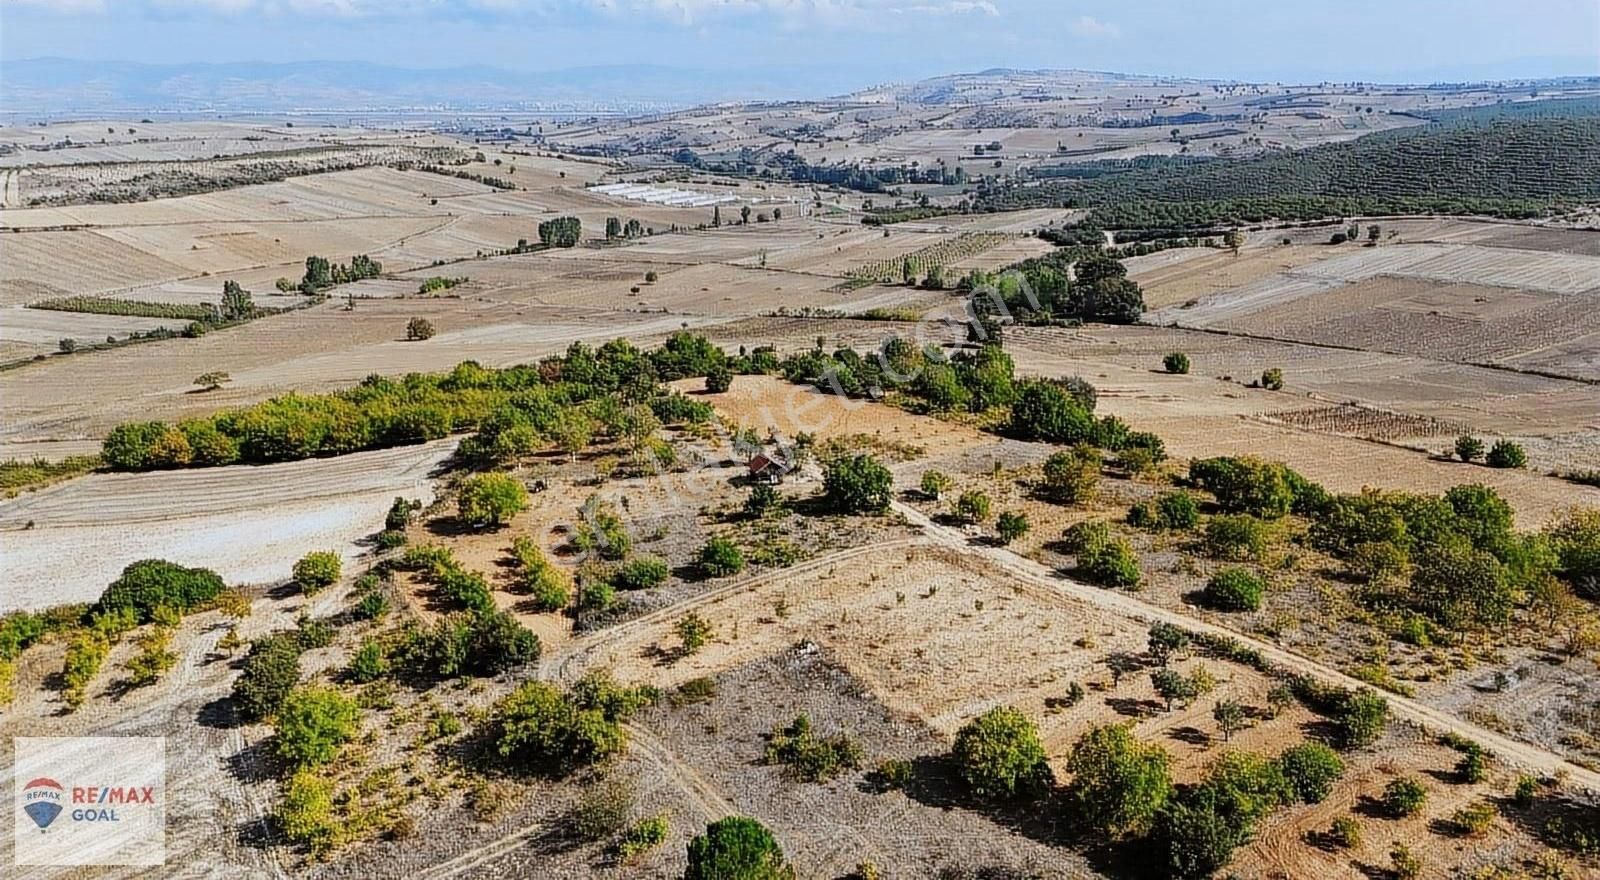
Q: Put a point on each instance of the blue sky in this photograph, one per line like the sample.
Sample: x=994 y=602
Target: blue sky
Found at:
x=869 y=40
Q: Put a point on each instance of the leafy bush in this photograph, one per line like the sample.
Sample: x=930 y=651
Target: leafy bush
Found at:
x=312 y=723
x=1575 y=538
x=719 y=379
x=857 y=484
x=270 y=672
x=153 y=583
x=1072 y=477
x=604 y=807
x=491 y=499
x=1403 y=797
x=1360 y=718
x=809 y=757
x=719 y=557
x=370 y=662
x=86 y=653
x=1469 y=448
x=1011 y=525
x=1248 y=485
x=972 y=507
x=419 y=329
x=934 y=484
x=551 y=587
x=1234 y=589
x=471 y=643
x=1312 y=769
x=306 y=812
x=1238 y=537
x=1177 y=510
x=1346 y=832
x=999 y=754
x=1119 y=784
x=694 y=632
x=540 y=730
x=1176 y=362
x=640 y=573
x=1473 y=820
x=1506 y=454
x=736 y=848
x=316 y=570
x=644 y=836
x=1113 y=564
x=1272 y=379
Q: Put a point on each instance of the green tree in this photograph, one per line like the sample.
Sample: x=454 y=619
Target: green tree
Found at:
x=736 y=848
x=1173 y=686
x=1404 y=797
x=316 y=570
x=719 y=379
x=857 y=484
x=1047 y=411
x=1458 y=586
x=1506 y=454
x=1311 y=768
x=1073 y=477
x=306 y=812
x=1166 y=640
x=419 y=329
x=1234 y=589
x=1118 y=783
x=270 y=672
x=934 y=484
x=236 y=303
x=1469 y=448
x=762 y=500
x=1176 y=362
x=313 y=723
x=149 y=584
x=1011 y=525
x=720 y=557
x=694 y=632
x=973 y=507
x=999 y=754
x=1230 y=718
x=1272 y=379
x=491 y=499
x=1360 y=718
x=641 y=573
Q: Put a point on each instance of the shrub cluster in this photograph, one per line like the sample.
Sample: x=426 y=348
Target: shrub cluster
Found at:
x=808 y=756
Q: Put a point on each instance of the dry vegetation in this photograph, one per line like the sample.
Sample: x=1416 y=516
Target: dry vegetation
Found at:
x=735 y=609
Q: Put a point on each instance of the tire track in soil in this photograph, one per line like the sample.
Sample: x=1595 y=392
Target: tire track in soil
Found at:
x=1512 y=752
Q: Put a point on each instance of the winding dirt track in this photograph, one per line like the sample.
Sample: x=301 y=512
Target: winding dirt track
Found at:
x=712 y=804
x=1513 y=752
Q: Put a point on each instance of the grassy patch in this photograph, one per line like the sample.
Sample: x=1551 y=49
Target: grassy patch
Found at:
x=17 y=475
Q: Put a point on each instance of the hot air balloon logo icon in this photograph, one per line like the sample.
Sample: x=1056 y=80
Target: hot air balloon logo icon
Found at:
x=41 y=800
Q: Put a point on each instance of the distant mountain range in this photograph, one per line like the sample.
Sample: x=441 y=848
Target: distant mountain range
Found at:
x=61 y=86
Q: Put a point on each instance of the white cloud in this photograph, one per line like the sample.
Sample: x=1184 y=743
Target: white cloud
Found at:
x=1089 y=26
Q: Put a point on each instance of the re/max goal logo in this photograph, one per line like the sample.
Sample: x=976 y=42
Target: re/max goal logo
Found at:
x=90 y=803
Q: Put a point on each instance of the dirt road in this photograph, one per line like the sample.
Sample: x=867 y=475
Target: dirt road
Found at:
x=1512 y=752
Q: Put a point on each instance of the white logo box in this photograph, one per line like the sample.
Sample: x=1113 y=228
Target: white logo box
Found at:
x=111 y=791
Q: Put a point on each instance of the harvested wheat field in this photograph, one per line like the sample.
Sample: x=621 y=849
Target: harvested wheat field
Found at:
x=249 y=523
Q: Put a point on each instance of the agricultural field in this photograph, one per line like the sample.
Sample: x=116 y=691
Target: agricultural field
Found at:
x=548 y=498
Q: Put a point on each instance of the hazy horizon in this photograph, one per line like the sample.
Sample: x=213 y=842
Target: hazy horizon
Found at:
x=855 y=42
